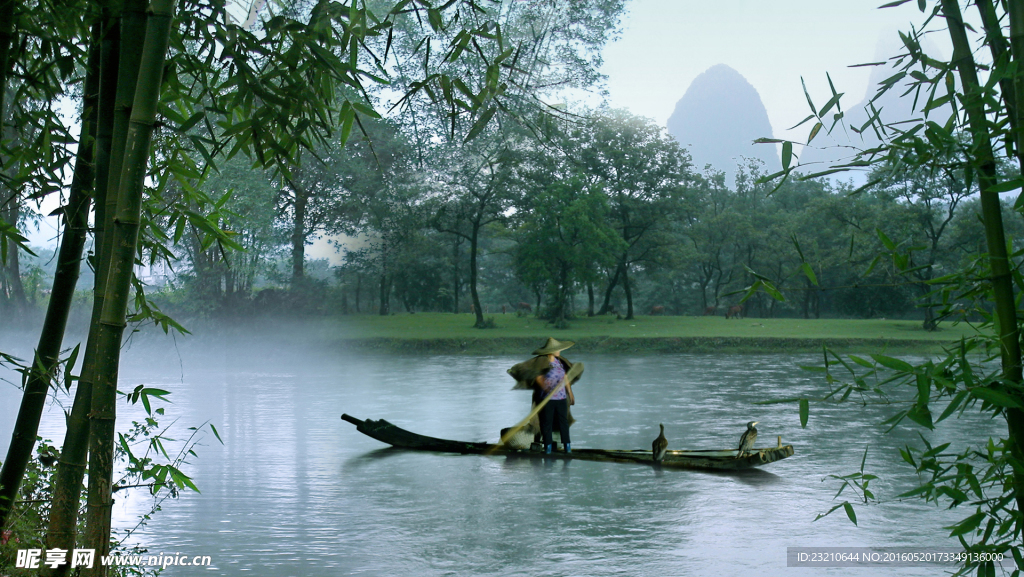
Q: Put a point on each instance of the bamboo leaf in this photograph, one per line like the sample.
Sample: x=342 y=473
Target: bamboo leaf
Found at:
x=921 y=415
x=894 y=364
x=850 y=513
x=804 y=413
x=809 y=273
x=997 y=398
x=480 y=124
x=959 y=398
x=967 y=525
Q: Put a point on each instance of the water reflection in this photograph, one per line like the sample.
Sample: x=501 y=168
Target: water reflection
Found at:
x=296 y=491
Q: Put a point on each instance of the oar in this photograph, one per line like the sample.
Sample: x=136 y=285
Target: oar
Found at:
x=575 y=370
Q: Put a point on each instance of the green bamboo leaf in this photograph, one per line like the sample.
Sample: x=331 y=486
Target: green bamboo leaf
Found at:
x=831 y=102
x=366 y=110
x=804 y=413
x=921 y=415
x=480 y=124
x=434 y=17
x=997 y=398
x=809 y=273
x=787 y=154
x=924 y=389
x=807 y=95
x=861 y=361
x=967 y=525
x=926 y=488
x=216 y=434
x=894 y=364
x=889 y=244
x=1007 y=186
x=850 y=513
x=953 y=405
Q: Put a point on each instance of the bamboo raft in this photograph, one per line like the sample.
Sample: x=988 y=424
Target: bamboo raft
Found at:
x=723 y=460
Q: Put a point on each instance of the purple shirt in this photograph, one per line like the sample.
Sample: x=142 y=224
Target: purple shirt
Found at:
x=553 y=379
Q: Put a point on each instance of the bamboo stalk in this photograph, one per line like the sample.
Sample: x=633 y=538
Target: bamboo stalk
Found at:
x=1001 y=56
x=6 y=39
x=67 y=484
x=1015 y=10
x=1002 y=282
x=65 y=279
x=122 y=260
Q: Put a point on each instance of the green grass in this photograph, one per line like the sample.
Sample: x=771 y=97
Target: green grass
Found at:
x=440 y=332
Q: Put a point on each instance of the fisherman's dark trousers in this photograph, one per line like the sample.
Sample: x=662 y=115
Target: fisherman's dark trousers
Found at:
x=555 y=410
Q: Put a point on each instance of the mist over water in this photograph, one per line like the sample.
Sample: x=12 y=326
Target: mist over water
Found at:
x=296 y=491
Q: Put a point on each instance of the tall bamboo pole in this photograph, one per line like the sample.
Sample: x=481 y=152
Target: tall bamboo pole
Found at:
x=65 y=279
x=122 y=261
x=991 y=210
x=1015 y=10
x=67 y=482
x=6 y=40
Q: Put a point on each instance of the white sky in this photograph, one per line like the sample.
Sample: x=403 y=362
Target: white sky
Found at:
x=665 y=44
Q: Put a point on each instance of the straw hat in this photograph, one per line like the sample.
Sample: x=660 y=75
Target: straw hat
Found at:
x=553 y=346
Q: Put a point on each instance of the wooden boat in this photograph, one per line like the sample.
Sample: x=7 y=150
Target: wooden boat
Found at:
x=725 y=460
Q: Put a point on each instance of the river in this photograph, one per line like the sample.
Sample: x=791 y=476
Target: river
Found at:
x=294 y=490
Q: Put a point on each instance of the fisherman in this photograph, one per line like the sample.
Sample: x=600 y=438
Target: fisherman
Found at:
x=544 y=374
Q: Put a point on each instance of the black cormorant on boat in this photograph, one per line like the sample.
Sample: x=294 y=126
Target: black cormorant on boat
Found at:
x=659 y=446
x=748 y=438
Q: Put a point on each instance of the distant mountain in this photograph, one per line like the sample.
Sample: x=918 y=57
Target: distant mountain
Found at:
x=717 y=120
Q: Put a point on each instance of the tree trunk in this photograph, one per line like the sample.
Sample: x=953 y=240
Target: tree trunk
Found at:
x=455 y=273
x=298 y=235
x=1002 y=282
x=67 y=483
x=473 y=245
x=606 y=306
x=122 y=260
x=590 y=298
x=65 y=279
x=359 y=288
x=628 y=289
x=385 y=301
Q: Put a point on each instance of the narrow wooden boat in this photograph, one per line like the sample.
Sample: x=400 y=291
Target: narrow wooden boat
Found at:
x=726 y=460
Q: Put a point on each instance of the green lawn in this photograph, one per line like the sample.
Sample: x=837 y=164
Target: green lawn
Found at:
x=798 y=333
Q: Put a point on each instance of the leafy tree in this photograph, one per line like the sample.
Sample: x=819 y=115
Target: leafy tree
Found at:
x=564 y=238
x=645 y=174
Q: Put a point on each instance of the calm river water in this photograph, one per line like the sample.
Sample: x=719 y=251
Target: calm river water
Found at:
x=294 y=490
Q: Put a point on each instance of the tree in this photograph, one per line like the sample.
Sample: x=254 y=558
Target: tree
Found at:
x=564 y=236
x=929 y=198
x=552 y=46
x=645 y=174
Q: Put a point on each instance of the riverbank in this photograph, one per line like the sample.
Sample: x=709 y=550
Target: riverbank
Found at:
x=451 y=334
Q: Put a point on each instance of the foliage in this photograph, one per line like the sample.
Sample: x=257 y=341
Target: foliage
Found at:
x=960 y=150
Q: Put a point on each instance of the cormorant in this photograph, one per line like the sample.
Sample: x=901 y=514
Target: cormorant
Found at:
x=748 y=438
x=659 y=446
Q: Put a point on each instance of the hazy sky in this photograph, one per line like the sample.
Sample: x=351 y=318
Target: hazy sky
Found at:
x=665 y=44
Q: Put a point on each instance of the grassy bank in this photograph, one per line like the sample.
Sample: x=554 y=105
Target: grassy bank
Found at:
x=448 y=333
